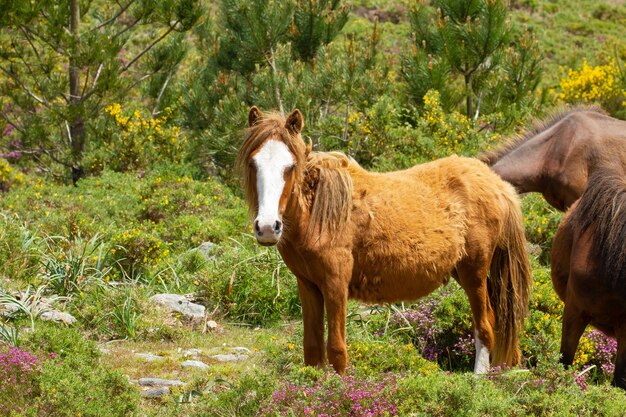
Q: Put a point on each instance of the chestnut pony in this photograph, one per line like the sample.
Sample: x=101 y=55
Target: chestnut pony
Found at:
x=345 y=233
x=557 y=156
x=589 y=265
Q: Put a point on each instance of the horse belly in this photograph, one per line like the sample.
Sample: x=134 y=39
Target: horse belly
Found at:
x=377 y=285
x=604 y=305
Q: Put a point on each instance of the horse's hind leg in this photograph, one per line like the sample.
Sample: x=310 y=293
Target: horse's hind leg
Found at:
x=313 y=320
x=619 y=378
x=474 y=282
x=574 y=324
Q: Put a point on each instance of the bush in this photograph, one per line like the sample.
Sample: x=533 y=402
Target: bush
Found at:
x=18 y=378
x=9 y=176
x=72 y=387
x=439 y=326
x=252 y=285
x=604 y=84
x=332 y=395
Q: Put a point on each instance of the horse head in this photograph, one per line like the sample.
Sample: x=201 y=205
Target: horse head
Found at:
x=271 y=162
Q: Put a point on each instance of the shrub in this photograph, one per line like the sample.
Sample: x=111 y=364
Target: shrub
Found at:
x=439 y=326
x=334 y=396
x=605 y=84
x=9 y=177
x=75 y=383
x=72 y=387
x=18 y=383
x=252 y=285
x=541 y=222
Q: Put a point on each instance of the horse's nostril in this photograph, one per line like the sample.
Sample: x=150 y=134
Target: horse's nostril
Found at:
x=278 y=225
x=257 y=229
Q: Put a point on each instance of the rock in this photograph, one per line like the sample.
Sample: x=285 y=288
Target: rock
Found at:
x=211 y=325
x=155 y=392
x=533 y=249
x=207 y=249
x=241 y=350
x=149 y=357
x=179 y=304
x=9 y=310
x=229 y=357
x=195 y=364
x=158 y=382
x=192 y=352
x=58 y=316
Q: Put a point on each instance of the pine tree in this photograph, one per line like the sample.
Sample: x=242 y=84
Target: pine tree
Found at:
x=62 y=62
x=461 y=48
x=253 y=30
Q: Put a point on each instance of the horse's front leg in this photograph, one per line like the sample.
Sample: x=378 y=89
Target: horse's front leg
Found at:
x=313 y=320
x=336 y=309
x=335 y=290
x=574 y=325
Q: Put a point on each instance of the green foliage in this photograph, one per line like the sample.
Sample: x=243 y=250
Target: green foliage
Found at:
x=65 y=62
x=541 y=221
x=466 y=51
x=252 y=30
x=252 y=285
x=69 y=272
x=316 y=23
x=76 y=383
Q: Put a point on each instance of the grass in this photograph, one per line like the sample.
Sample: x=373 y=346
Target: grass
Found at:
x=101 y=249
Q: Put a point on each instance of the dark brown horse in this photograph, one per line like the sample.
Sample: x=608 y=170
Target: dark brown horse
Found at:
x=345 y=233
x=557 y=156
x=589 y=264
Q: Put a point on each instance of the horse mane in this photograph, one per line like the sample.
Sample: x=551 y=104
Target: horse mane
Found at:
x=602 y=210
x=270 y=125
x=538 y=126
x=331 y=185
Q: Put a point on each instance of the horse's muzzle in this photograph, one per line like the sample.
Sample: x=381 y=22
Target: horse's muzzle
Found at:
x=268 y=234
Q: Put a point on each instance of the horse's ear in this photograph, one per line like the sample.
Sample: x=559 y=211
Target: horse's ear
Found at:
x=295 y=123
x=254 y=115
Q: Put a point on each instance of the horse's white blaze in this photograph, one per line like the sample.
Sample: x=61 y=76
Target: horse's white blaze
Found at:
x=481 y=366
x=271 y=161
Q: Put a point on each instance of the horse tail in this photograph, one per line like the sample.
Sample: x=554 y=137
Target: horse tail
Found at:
x=509 y=285
x=601 y=210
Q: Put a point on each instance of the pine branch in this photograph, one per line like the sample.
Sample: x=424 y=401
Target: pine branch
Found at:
x=150 y=46
x=21 y=84
x=115 y=17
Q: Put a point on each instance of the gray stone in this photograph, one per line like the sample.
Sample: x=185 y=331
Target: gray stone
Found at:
x=192 y=352
x=149 y=357
x=179 y=304
x=58 y=316
x=195 y=364
x=229 y=357
x=207 y=249
x=211 y=325
x=9 y=310
x=158 y=382
x=155 y=392
x=241 y=350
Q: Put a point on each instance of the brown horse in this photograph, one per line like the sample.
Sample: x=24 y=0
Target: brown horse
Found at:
x=345 y=232
x=589 y=265
x=557 y=157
